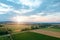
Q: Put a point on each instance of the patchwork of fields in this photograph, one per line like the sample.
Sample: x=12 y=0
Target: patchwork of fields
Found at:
x=35 y=32
x=17 y=27
x=29 y=36
x=47 y=32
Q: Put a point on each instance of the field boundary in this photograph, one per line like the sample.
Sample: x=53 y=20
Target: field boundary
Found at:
x=49 y=33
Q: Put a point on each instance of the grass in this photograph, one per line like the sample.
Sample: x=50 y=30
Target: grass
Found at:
x=19 y=27
x=29 y=36
x=33 y=36
x=4 y=38
x=15 y=27
x=52 y=29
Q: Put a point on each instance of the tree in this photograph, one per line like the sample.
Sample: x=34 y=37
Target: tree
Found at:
x=32 y=27
x=10 y=32
x=1 y=25
x=25 y=29
x=3 y=31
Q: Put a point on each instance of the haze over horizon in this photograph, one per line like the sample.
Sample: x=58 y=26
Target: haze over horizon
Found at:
x=30 y=10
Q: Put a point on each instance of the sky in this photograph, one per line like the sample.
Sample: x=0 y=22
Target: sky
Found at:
x=30 y=10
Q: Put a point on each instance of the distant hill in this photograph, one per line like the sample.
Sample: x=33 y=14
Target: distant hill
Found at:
x=6 y=22
x=12 y=22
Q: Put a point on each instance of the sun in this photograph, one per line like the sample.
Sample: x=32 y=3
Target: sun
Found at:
x=18 y=19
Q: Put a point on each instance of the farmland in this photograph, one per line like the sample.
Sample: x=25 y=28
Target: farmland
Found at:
x=19 y=31
x=19 y=27
x=30 y=36
x=51 y=29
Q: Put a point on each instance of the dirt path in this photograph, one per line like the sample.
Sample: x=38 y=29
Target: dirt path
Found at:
x=50 y=33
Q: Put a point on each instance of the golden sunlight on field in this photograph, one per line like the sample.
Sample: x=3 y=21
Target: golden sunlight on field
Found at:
x=17 y=27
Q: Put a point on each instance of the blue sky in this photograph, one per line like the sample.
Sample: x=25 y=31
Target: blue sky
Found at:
x=30 y=10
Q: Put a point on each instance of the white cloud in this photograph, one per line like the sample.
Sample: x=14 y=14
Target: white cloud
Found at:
x=37 y=18
x=22 y=11
x=53 y=7
x=31 y=3
x=14 y=1
x=4 y=8
x=32 y=18
x=4 y=5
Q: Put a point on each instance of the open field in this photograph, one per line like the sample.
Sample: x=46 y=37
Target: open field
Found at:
x=33 y=36
x=30 y=36
x=17 y=27
x=4 y=38
x=51 y=29
x=46 y=32
x=38 y=31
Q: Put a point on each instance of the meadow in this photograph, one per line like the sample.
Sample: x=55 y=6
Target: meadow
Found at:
x=51 y=29
x=29 y=36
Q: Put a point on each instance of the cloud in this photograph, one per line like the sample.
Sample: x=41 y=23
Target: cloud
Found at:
x=31 y=10
x=37 y=18
x=4 y=8
x=53 y=6
x=22 y=11
x=14 y=1
x=31 y=3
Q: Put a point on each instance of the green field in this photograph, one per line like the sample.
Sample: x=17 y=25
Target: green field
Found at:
x=30 y=36
x=52 y=29
x=4 y=38
x=19 y=27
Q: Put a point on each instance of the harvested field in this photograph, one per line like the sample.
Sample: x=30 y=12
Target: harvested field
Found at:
x=50 y=33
